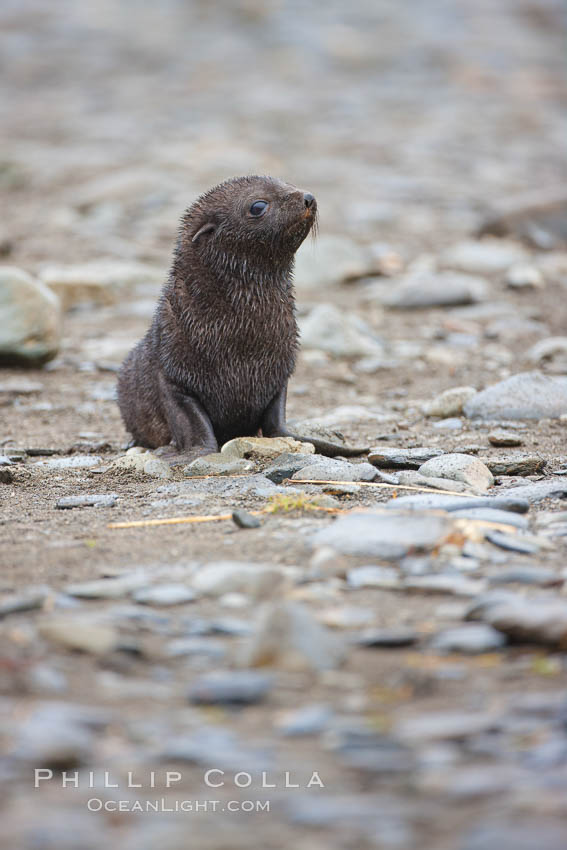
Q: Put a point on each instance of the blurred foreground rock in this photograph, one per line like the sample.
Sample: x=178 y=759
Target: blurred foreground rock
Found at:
x=30 y=320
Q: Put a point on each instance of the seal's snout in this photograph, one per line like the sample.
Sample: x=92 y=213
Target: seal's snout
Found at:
x=309 y=200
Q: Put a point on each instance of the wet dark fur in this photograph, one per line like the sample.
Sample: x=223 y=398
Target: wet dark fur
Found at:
x=223 y=340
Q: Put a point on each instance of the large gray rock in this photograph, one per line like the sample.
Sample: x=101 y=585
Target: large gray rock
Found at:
x=98 y=282
x=389 y=536
x=30 y=320
x=340 y=333
x=459 y=467
x=529 y=395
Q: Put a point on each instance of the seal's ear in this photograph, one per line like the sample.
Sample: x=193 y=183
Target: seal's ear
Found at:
x=206 y=228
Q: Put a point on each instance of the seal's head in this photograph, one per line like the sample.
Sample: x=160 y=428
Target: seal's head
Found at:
x=256 y=219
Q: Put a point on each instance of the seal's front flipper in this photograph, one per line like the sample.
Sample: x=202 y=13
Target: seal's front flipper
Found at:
x=191 y=429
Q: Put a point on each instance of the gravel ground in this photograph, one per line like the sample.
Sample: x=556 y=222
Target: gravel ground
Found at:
x=419 y=702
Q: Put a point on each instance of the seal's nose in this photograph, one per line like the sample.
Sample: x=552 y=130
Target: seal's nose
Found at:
x=309 y=199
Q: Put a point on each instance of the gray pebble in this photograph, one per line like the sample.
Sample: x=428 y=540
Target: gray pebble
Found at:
x=98 y=501
x=469 y=639
x=401 y=458
x=243 y=519
x=230 y=687
x=164 y=594
x=387 y=638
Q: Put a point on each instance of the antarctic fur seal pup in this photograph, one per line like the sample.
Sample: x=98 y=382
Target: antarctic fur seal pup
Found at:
x=223 y=341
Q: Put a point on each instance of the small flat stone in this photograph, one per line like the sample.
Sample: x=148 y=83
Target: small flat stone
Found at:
x=514 y=542
x=217 y=464
x=335 y=470
x=346 y=617
x=392 y=458
x=387 y=638
x=195 y=646
x=230 y=687
x=164 y=595
x=470 y=639
x=144 y=463
x=534 y=576
x=100 y=500
x=456 y=585
x=536 y=491
x=435 y=501
x=487 y=256
x=243 y=519
x=501 y=437
x=515 y=464
x=73 y=462
x=108 y=588
x=416 y=479
x=492 y=515
x=373 y=576
x=338 y=332
x=284 y=466
x=29 y=600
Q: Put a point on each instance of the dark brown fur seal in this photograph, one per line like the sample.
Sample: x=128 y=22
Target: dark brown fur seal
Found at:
x=223 y=342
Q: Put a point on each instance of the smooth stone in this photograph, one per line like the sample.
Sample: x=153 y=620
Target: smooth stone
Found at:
x=194 y=646
x=445 y=725
x=535 y=576
x=217 y=464
x=230 y=687
x=501 y=437
x=528 y=395
x=144 y=463
x=492 y=515
x=439 y=501
x=469 y=639
x=30 y=326
x=515 y=464
x=524 y=276
x=288 y=637
x=85 y=501
x=29 y=600
x=390 y=535
x=459 y=467
x=536 y=491
x=221 y=577
x=284 y=467
x=489 y=256
x=373 y=576
x=451 y=424
x=108 y=588
x=333 y=469
x=265 y=447
x=339 y=333
x=331 y=261
x=77 y=633
x=537 y=620
x=387 y=638
x=307 y=720
x=440 y=289
x=415 y=479
x=392 y=458
x=346 y=617
x=448 y=403
x=514 y=542
x=243 y=519
x=456 y=585
x=164 y=594
x=73 y=462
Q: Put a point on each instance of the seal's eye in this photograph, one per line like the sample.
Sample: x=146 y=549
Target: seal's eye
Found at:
x=258 y=208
